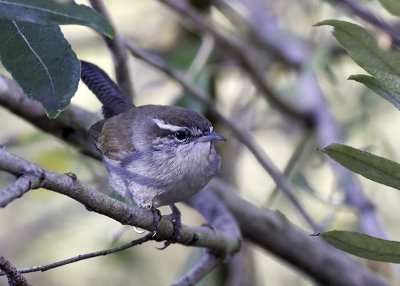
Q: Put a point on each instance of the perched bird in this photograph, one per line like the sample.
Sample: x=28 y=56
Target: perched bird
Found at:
x=155 y=155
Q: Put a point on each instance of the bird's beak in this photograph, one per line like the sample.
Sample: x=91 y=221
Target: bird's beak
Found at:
x=211 y=136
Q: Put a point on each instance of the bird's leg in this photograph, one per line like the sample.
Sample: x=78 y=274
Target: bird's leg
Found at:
x=175 y=216
x=156 y=218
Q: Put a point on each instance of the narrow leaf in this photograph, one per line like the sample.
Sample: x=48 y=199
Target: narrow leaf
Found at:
x=363 y=245
x=41 y=61
x=393 y=6
x=54 y=12
x=370 y=166
x=373 y=84
x=364 y=50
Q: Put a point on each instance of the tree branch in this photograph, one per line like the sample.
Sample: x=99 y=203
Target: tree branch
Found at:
x=21 y=185
x=273 y=232
x=68 y=185
x=13 y=276
x=208 y=262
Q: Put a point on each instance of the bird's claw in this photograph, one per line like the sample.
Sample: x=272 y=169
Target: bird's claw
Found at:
x=175 y=217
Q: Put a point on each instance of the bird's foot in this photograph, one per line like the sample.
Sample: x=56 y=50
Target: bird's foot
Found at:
x=175 y=217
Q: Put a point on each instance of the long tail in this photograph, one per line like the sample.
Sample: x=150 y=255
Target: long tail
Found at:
x=106 y=90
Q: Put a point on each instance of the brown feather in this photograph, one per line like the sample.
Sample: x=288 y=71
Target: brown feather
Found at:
x=113 y=137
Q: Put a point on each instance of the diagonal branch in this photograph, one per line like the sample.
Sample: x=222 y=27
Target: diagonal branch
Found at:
x=208 y=262
x=69 y=185
x=273 y=232
x=20 y=186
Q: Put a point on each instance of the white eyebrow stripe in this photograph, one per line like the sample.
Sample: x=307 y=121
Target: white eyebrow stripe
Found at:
x=163 y=125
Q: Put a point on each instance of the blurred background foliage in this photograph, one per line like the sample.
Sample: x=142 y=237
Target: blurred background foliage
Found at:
x=44 y=227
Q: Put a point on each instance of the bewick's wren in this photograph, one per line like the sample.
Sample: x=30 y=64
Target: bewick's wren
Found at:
x=156 y=155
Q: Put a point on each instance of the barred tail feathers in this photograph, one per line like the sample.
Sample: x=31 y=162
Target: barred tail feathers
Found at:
x=106 y=90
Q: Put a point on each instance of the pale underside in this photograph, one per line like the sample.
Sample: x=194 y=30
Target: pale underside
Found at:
x=160 y=178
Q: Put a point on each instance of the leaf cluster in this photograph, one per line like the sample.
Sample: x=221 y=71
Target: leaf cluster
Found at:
x=384 y=80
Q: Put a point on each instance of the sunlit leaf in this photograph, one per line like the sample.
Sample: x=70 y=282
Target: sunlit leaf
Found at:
x=41 y=61
x=378 y=88
x=54 y=12
x=364 y=50
x=373 y=167
x=363 y=245
x=393 y=6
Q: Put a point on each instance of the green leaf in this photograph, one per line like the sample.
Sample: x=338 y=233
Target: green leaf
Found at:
x=393 y=6
x=364 y=50
x=370 y=166
x=41 y=61
x=373 y=84
x=363 y=245
x=47 y=12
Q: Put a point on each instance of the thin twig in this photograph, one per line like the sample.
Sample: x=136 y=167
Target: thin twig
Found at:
x=243 y=135
x=202 y=56
x=119 y=53
x=293 y=160
x=19 y=187
x=208 y=262
x=218 y=216
x=14 y=277
x=81 y=257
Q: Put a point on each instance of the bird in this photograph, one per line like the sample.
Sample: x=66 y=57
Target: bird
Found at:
x=155 y=155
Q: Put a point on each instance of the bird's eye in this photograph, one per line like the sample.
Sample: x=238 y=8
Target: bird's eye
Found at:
x=181 y=135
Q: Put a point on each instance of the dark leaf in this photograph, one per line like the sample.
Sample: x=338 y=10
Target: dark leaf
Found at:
x=41 y=61
x=48 y=12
